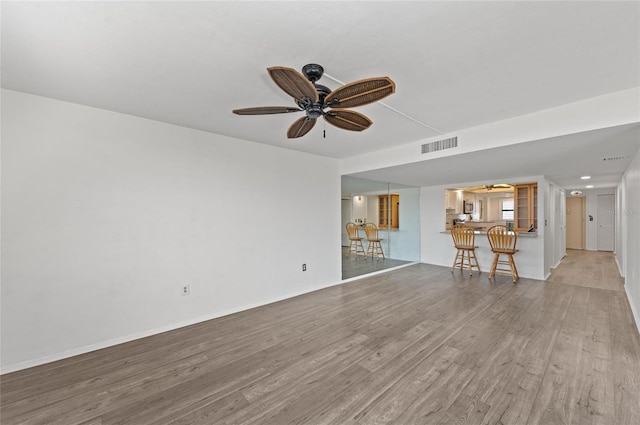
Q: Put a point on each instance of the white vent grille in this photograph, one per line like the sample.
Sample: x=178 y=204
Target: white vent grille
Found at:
x=613 y=158
x=440 y=145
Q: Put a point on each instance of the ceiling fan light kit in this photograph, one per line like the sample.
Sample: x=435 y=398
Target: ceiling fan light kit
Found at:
x=314 y=99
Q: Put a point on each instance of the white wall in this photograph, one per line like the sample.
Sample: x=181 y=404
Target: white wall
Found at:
x=373 y=206
x=105 y=216
x=604 y=111
x=359 y=208
x=628 y=248
x=404 y=243
x=554 y=226
x=437 y=246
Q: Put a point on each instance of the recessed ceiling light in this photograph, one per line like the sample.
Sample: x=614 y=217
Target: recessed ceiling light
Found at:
x=585 y=177
x=589 y=186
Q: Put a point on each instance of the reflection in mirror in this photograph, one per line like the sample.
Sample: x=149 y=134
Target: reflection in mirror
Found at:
x=394 y=209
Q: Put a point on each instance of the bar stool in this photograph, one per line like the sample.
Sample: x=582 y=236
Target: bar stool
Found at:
x=355 y=241
x=374 y=247
x=503 y=242
x=464 y=240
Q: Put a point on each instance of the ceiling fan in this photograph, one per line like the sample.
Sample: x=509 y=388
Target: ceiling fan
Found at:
x=489 y=187
x=314 y=99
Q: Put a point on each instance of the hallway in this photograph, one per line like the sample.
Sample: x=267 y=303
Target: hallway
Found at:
x=588 y=269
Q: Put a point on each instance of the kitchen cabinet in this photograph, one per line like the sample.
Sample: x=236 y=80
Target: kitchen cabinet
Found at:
x=526 y=207
x=451 y=198
x=388 y=214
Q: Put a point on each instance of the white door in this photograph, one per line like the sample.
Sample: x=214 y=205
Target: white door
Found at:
x=606 y=223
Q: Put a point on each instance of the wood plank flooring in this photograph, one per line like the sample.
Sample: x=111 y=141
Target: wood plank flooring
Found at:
x=418 y=345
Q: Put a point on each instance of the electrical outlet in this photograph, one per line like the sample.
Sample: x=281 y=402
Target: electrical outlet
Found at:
x=304 y=267
x=186 y=289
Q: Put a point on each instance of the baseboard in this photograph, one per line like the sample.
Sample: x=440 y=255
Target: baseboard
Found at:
x=364 y=276
x=634 y=312
x=150 y=332
x=615 y=257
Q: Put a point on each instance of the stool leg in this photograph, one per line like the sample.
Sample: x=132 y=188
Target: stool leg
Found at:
x=514 y=270
x=473 y=252
x=455 y=261
x=492 y=272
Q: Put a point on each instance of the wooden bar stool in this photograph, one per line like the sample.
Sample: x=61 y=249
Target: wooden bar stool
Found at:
x=503 y=242
x=355 y=241
x=464 y=239
x=374 y=247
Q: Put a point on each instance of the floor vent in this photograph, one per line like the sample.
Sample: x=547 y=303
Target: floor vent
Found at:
x=440 y=145
x=613 y=158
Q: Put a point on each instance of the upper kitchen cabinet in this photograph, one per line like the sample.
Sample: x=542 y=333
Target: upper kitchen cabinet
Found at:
x=453 y=201
x=526 y=207
x=388 y=214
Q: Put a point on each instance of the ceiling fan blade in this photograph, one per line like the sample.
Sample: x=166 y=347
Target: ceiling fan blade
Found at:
x=361 y=92
x=294 y=83
x=265 y=110
x=348 y=120
x=300 y=127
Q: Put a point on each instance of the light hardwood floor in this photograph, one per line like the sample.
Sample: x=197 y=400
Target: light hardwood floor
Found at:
x=418 y=345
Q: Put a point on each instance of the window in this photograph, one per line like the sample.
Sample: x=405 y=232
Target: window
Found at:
x=506 y=210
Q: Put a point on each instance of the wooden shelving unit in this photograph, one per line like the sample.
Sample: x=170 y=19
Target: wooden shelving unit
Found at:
x=526 y=207
x=389 y=206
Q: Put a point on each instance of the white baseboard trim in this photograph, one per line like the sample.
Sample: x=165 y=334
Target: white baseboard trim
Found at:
x=364 y=276
x=143 y=334
x=635 y=313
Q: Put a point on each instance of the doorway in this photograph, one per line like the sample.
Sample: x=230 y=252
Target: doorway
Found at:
x=576 y=208
x=606 y=223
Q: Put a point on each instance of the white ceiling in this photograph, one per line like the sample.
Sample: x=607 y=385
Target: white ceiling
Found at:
x=549 y=157
x=456 y=65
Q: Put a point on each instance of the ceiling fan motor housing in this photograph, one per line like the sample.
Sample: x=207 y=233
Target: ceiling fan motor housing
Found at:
x=315 y=110
x=313 y=72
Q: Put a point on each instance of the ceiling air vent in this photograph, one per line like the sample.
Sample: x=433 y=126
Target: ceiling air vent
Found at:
x=613 y=158
x=440 y=145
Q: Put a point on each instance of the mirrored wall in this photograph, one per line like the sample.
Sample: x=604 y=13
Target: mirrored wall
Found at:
x=394 y=210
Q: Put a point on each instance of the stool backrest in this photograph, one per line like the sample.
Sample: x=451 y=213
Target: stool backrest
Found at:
x=502 y=239
x=371 y=230
x=352 y=230
x=463 y=236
